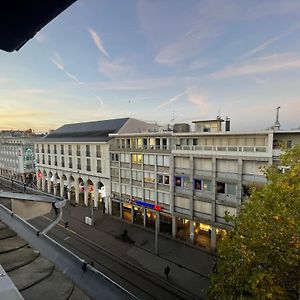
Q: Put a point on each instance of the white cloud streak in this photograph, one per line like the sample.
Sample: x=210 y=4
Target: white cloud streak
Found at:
x=267 y=64
x=171 y=100
x=98 y=41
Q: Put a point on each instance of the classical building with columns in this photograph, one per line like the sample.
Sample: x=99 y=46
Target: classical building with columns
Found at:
x=186 y=181
x=17 y=159
x=73 y=161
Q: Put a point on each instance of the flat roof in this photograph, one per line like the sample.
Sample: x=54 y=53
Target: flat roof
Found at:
x=205 y=121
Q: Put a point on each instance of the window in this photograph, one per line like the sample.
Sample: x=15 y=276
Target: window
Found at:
x=78 y=163
x=136 y=158
x=63 y=162
x=87 y=151
x=206 y=185
x=114 y=172
x=163 y=179
x=98 y=151
x=246 y=190
x=88 y=164
x=125 y=173
x=231 y=189
x=49 y=160
x=114 y=157
x=55 y=149
x=163 y=197
x=43 y=150
x=62 y=149
x=70 y=162
x=220 y=187
x=38 y=158
x=198 y=184
x=149 y=177
x=48 y=149
x=78 y=150
x=99 y=170
x=149 y=159
x=125 y=158
x=136 y=175
x=55 y=160
x=69 y=149
x=178 y=181
x=149 y=195
x=289 y=144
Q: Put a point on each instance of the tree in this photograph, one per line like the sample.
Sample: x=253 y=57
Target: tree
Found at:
x=260 y=257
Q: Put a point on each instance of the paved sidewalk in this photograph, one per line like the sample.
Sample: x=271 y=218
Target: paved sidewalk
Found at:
x=189 y=266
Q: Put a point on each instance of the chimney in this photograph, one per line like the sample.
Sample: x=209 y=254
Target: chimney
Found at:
x=227 y=124
x=276 y=125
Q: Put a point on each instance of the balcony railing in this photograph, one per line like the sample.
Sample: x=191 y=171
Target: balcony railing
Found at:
x=222 y=148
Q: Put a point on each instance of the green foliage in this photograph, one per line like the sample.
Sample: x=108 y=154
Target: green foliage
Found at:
x=260 y=257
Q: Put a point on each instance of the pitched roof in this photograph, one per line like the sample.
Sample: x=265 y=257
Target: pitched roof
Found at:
x=96 y=131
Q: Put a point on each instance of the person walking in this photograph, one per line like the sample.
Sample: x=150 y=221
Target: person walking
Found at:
x=167 y=271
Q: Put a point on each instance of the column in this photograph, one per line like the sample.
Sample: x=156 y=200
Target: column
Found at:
x=174 y=226
x=213 y=238
x=96 y=196
x=39 y=183
x=86 y=194
x=62 y=187
x=43 y=184
x=192 y=235
x=76 y=191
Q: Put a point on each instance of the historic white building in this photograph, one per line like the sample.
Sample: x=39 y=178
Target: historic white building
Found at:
x=17 y=159
x=73 y=161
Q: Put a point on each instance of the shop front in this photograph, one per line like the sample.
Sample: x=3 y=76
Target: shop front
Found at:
x=127 y=211
x=165 y=223
x=115 y=208
x=138 y=215
x=150 y=219
x=202 y=235
x=182 y=229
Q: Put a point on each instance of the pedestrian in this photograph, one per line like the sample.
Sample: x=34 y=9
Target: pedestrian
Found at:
x=103 y=207
x=167 y=271
x=84 y=266
x=24 y=186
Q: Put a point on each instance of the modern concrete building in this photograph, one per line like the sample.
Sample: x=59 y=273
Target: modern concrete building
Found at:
x=188 y=180
x=17 y=155
x=73 y=161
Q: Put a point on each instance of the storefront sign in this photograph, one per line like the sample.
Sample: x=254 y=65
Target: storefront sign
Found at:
x=149 y=205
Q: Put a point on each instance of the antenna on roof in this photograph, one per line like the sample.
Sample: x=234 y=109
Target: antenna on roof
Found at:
x=219 y=114
x=276 y=125
x=173 y=118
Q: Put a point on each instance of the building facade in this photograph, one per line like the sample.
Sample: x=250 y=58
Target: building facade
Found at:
x=187 y=181
x=17 y=158
x=73 y=161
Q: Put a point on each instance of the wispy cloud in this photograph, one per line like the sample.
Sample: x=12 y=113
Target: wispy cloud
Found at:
x=116 y=69
x=171 y=100
x=58 y=62
x=199 y=101
x=267 y=64
x=98 y=41
x=268 y=42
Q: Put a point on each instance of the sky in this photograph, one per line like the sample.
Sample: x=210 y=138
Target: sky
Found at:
x=164 y=61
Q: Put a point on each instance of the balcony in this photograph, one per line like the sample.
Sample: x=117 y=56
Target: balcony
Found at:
x=227 y=150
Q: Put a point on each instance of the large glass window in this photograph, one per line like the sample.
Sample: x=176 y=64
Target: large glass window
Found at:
x=98 y=151
x=178 y=181
x=198 y=184
x=136 y=158
x=206 y=185
x=231 y=189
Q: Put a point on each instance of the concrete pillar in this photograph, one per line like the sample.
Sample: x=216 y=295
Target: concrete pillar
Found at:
x=213 y=238
x=86 y=194
x=174 y=226
x=76 y=191
x=62 y=187
x=43 y=184
x=192 y=235
x=144 y=217
x=55 y=188
x=39 y=183
x=96 y=196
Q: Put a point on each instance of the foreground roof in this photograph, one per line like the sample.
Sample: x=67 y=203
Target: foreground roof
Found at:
x=21 y=20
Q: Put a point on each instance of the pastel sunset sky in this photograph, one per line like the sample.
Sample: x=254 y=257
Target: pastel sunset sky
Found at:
x=162 y=61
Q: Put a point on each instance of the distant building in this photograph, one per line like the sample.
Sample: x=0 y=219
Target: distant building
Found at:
x=17 y=158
